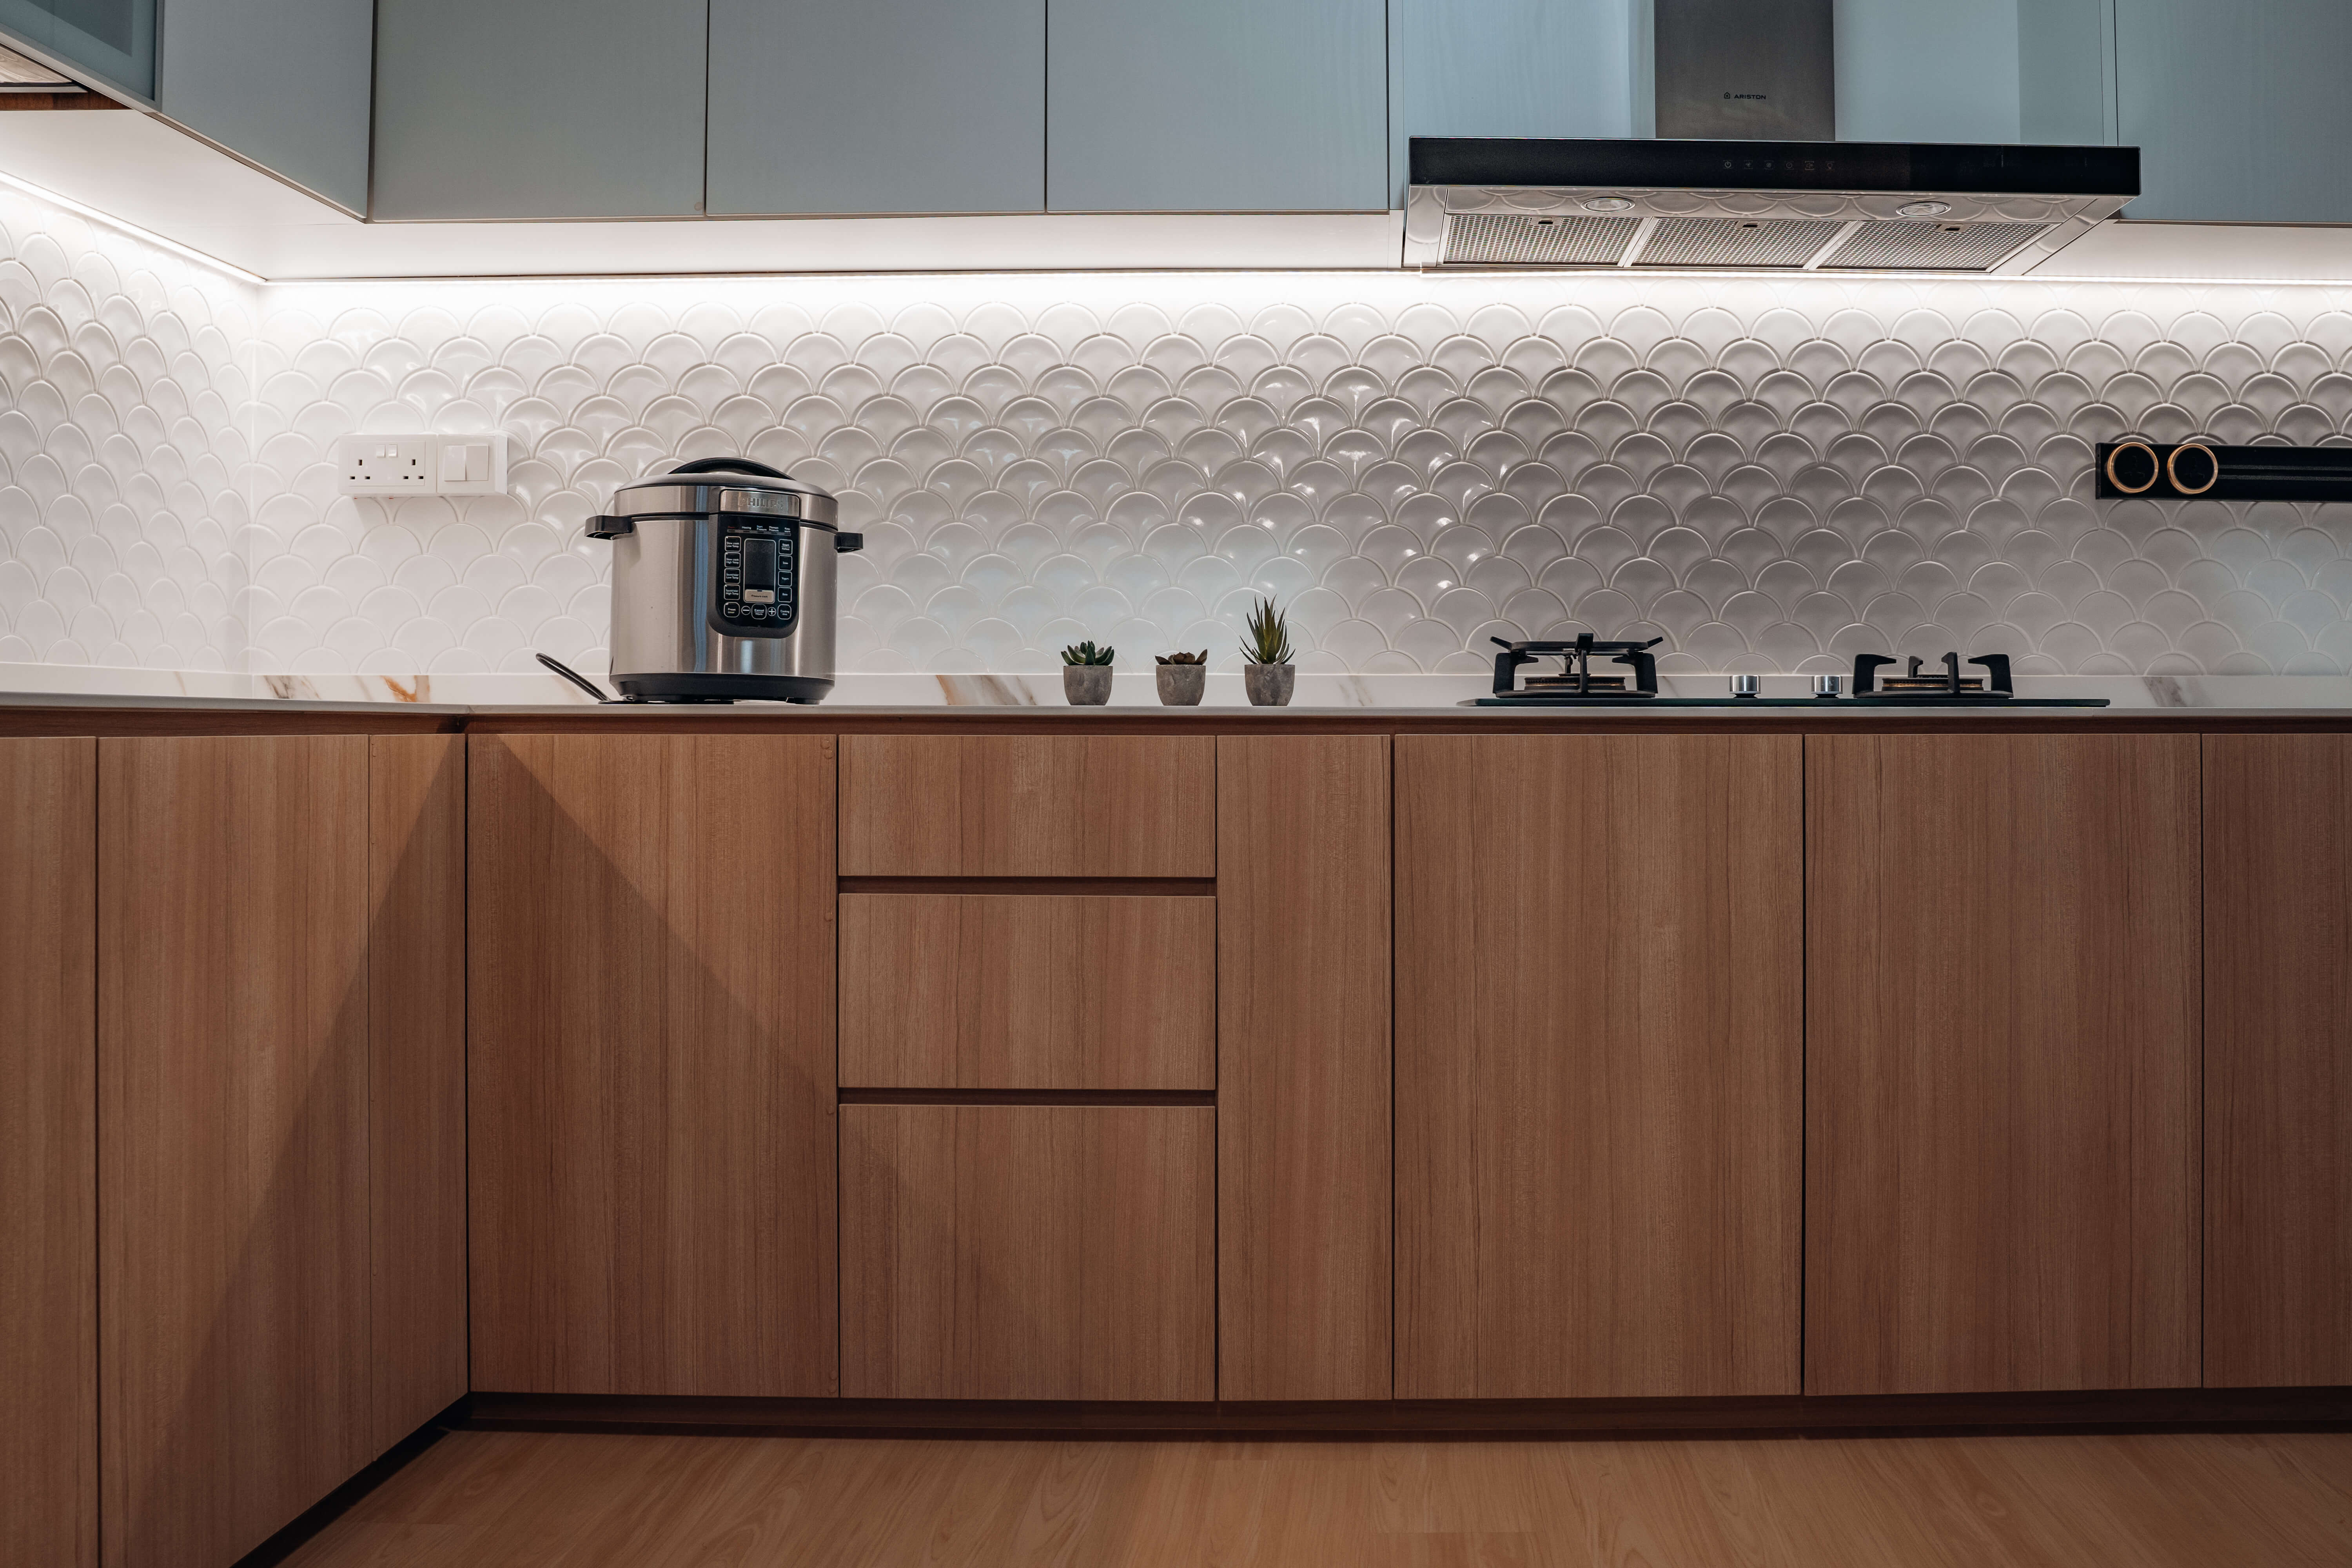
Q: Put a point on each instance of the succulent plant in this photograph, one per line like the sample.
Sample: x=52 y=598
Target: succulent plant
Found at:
x=1087 y=653
x=1200 y=657
x=1267 y=638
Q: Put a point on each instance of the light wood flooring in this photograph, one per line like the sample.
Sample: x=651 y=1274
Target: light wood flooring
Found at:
x=487 y=1500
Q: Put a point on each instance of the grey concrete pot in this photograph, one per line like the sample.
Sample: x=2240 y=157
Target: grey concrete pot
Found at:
x=1269 y=685
x=1086 y=685
x=1181 y=685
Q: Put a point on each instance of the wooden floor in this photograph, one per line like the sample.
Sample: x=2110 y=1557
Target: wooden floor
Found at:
x=486 y=1499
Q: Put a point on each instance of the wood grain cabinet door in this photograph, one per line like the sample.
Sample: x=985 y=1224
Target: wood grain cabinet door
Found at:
x=1598 y=1065
x=1304 y=1074
x=2278 y=1060
x=48 y=1153
x=1028 y=1251
x=650 y=997
x=2003 y=964
x=233 y=1136
x=994 y=991
x=1028 y=806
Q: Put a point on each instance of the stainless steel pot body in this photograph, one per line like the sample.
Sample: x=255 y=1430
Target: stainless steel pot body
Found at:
x=668 y=575
x=723 y=584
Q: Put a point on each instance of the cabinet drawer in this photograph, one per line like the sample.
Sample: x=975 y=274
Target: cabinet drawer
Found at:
x=1028 y=1252
x=950 y=991
x=1028 y=806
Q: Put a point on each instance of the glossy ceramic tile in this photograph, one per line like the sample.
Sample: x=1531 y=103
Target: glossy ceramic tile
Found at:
x=1769 y=473
x=123 y=401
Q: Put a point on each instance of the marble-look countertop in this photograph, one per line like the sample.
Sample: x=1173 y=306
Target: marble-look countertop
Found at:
x=1133 y=694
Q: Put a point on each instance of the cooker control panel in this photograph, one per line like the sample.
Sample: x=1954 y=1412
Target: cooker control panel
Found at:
x=759 y=579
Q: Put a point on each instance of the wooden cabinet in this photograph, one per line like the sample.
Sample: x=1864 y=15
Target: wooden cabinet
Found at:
x=2003 y=1034
x=650 y=1002
x=1598 y=1062
x=275 y=988
x=286 y=84
x=540 y=109
x=1028 y=1252
x=1028 y=806
x=1303 y=1069
x=2238 y=108
x=890 y=106
x=1217 y=106
x=48 y=1154
x=2278 y=1060
x=980 y=991
x=416 y=1079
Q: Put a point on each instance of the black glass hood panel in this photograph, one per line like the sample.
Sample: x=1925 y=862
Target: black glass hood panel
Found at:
x=1958 y=169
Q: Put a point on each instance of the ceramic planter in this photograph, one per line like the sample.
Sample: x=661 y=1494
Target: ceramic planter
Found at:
x=1086 y=685
x=1181 y=685
x=1269 y=685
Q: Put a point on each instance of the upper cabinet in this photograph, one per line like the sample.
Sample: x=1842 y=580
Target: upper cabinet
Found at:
x=1513 y=67
x=1975 y=71
x=112 y=40
x=1217 y=106
x=539 y=109
x=282 y=83
x=2238 y=107
x=891 y=106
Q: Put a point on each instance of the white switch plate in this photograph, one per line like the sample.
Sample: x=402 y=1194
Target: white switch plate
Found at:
x=470 y=465
x=384 y=466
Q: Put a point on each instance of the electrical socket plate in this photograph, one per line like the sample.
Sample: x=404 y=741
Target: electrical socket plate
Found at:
x=470 y=465
x=384 y=466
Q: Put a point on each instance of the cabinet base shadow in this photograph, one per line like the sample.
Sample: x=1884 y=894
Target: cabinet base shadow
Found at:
x=1941 y=1415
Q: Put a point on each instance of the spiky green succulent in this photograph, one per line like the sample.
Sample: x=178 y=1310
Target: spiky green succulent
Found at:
x=1267 y=636
x=1087 y=653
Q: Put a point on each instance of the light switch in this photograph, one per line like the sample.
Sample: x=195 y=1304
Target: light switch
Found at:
x=471 y=465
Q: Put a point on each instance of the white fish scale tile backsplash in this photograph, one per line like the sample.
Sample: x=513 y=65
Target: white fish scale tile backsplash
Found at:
x=1771 y=474
x=123 y=395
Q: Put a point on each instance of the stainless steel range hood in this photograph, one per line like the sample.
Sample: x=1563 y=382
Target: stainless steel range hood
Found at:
x=1714 y=192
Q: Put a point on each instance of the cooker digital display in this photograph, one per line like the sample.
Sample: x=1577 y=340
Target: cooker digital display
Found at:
x=759 y=576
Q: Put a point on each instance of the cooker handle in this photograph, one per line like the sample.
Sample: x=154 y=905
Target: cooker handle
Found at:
x=611 y=527
x=848 y=543
x=729 y=465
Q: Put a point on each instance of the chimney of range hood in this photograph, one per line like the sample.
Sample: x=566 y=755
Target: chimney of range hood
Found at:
x=1746 y=71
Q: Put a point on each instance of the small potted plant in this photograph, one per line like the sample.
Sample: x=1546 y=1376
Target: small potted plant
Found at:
x=1269 y=675
x=1086 y=674
x=1182 y=677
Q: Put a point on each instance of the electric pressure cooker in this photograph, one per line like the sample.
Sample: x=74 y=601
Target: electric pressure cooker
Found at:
x=722 y=584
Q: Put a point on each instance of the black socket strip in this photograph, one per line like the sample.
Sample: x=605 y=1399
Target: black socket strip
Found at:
x=2187 y=470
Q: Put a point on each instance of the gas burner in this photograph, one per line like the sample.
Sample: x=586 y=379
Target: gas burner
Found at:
x=1913 y=686
x=1576 y=682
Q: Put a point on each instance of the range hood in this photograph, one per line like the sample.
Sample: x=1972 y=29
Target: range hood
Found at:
x=1746 y=174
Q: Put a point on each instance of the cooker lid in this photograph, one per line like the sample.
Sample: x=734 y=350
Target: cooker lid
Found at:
x=710 y=485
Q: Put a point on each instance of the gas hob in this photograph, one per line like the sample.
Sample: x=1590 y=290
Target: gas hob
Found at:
x=1577 y=685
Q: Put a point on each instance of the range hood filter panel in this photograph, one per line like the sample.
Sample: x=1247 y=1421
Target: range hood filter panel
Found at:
x=1736 y=242
x=1912 y=245
x=1525 y=240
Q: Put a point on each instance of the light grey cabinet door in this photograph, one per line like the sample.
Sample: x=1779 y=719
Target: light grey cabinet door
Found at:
x=885 y=106
x=111 y=41
x=1975 y=71
x=283 y=83
x=1217 y=105
x=523 y=108
x=2239 y=108
x=1513 y=67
